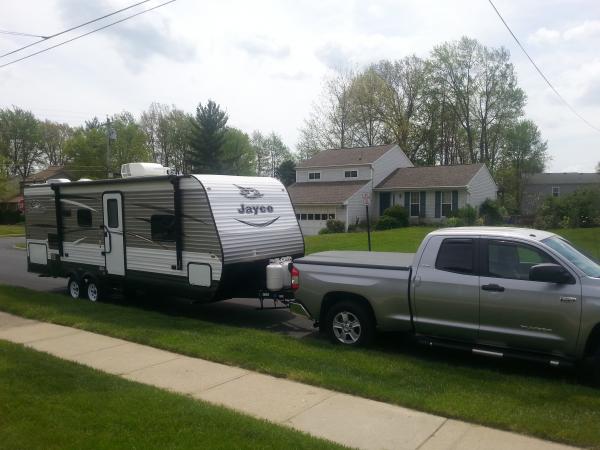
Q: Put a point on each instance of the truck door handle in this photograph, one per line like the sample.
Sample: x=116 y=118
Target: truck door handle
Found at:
x=492 y=287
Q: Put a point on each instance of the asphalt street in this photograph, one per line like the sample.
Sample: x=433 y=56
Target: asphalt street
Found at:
x=237 y=312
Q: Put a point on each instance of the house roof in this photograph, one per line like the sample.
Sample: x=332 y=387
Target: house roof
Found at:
x=430 y=177
x=562 y=178
x=346 y=156
x=323 y=193
x=47 y=174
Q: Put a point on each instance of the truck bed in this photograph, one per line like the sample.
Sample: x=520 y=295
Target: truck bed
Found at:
x=369 y=260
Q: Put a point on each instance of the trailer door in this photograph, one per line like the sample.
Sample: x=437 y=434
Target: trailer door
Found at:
x=114 y=251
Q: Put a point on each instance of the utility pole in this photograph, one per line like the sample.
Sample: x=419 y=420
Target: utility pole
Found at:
x=109 y=173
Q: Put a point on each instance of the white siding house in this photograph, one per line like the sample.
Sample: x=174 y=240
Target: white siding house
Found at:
x=334 y=184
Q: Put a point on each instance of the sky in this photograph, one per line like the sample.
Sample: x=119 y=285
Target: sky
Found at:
x=264 y=62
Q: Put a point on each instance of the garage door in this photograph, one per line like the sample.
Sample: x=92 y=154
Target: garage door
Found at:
x=312 y=220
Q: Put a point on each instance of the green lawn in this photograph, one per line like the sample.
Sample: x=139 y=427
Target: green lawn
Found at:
x=408 y=240
x=527 y=398
x=6 y=230
x=48 y=403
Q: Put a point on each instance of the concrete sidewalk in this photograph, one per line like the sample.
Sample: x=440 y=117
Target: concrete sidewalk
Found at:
x=346 y=419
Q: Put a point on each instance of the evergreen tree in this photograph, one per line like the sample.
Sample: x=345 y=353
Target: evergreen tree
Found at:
x=207 y=138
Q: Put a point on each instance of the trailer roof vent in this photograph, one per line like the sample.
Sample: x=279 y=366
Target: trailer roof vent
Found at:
x=143 y=170
x=58 y=180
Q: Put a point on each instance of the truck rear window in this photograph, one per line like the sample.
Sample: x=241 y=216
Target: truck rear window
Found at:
x=456 y=255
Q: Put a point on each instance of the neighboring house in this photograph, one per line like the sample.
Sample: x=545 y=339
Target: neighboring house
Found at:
x=334 y=184
x=432 y=193
x=13 y=204
x=52 y=172
x=539 y=186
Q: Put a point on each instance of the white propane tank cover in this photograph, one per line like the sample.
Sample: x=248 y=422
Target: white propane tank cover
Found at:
x=274 y=277
x=139 y=169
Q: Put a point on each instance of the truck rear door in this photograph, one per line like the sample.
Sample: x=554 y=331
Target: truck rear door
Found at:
x=446 y=289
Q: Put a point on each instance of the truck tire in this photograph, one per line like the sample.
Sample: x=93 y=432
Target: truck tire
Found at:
x=350 y=323
x=595 y=369
x=75 y=288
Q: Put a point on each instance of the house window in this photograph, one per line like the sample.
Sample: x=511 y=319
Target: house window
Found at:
x=351 y=174
x=555 y=191
x=314 y=175
x=332 y=216
x=310 y=216
x=302 y=216
x=84 y=218
x=297 y=216
x=415 y=204
x=446 y=203
x=162 y=227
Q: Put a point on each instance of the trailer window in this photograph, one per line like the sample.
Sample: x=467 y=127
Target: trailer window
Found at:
x=84 y=218
x=112 y=208
x=162 y=227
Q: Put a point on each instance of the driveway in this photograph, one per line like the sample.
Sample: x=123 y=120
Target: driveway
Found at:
x=237 y=312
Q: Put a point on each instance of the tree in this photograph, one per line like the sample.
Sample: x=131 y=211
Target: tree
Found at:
x=53 y=137
x=286 y=172
x=86 y=152
x=270 y=153
x=20 y=141
x=130 y=142
x=525 y=153
x=207 y=138
x=239 y=156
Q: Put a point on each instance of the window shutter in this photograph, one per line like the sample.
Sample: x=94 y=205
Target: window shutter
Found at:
x=407 y=201
x=454 y=200
x=423 y=207
x=438 y=204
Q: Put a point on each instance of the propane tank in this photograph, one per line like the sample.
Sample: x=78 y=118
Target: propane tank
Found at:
x=275 y=277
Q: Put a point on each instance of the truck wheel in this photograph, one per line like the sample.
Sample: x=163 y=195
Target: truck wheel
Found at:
x=596 y=368
x=93 y=291
x=75 y=288
x=351 y=324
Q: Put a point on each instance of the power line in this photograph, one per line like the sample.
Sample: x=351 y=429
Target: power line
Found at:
x=18 y=33
x=45 y=38
x=573 y=110
x=88 y=33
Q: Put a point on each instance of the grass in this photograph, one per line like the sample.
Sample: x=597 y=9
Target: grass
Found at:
x=526 y=398
x=21 y=245
x=12 y=230
x=407 y=240
x=49 y=403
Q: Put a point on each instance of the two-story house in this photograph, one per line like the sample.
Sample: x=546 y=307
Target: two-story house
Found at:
x=333 y=183
x=336 y=184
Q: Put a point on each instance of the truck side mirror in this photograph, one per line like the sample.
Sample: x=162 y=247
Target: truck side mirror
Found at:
x=550 y=273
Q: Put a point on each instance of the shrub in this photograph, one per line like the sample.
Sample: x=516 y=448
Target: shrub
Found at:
x=468 y=215
x=455 y=222
x=333 y=226
x=578 y=209
x=492 y=212
x=387 y=223
x=399 y=213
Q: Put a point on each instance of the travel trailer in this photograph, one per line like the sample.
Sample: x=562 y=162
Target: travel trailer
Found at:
x=207 y=237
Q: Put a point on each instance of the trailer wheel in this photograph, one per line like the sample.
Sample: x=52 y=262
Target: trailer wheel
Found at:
x=74 y=287
x=350 y=323
x=93 y=291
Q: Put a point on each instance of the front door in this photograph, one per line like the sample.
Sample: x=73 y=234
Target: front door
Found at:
x=114 y=250
x=523 y=314
x=385 y=201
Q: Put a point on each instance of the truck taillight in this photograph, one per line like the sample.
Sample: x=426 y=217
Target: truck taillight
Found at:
x=295 y=278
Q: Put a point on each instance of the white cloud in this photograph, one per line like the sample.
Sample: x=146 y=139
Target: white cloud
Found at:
x=544 y=36
x=588 y=29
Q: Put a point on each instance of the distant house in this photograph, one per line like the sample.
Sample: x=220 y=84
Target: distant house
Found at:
x=336 y=184
x=539 y=186
x=52 y=172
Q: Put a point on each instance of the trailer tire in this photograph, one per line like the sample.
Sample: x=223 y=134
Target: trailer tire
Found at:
x=75 y=288
x=350 y=323
x=93 y=291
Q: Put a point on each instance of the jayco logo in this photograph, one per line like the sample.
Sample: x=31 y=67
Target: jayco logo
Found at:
x=249 y=192
x=255 y=209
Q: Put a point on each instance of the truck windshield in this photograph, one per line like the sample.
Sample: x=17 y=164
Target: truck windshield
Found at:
x=586 y=264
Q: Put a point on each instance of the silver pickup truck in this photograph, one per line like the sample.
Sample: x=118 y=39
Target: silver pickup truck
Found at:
x=497 y=291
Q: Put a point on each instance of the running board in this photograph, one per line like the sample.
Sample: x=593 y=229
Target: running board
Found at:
x=496 y=353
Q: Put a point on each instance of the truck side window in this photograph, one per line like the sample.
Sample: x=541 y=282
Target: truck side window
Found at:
x=456 y=255
x=513 y=260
